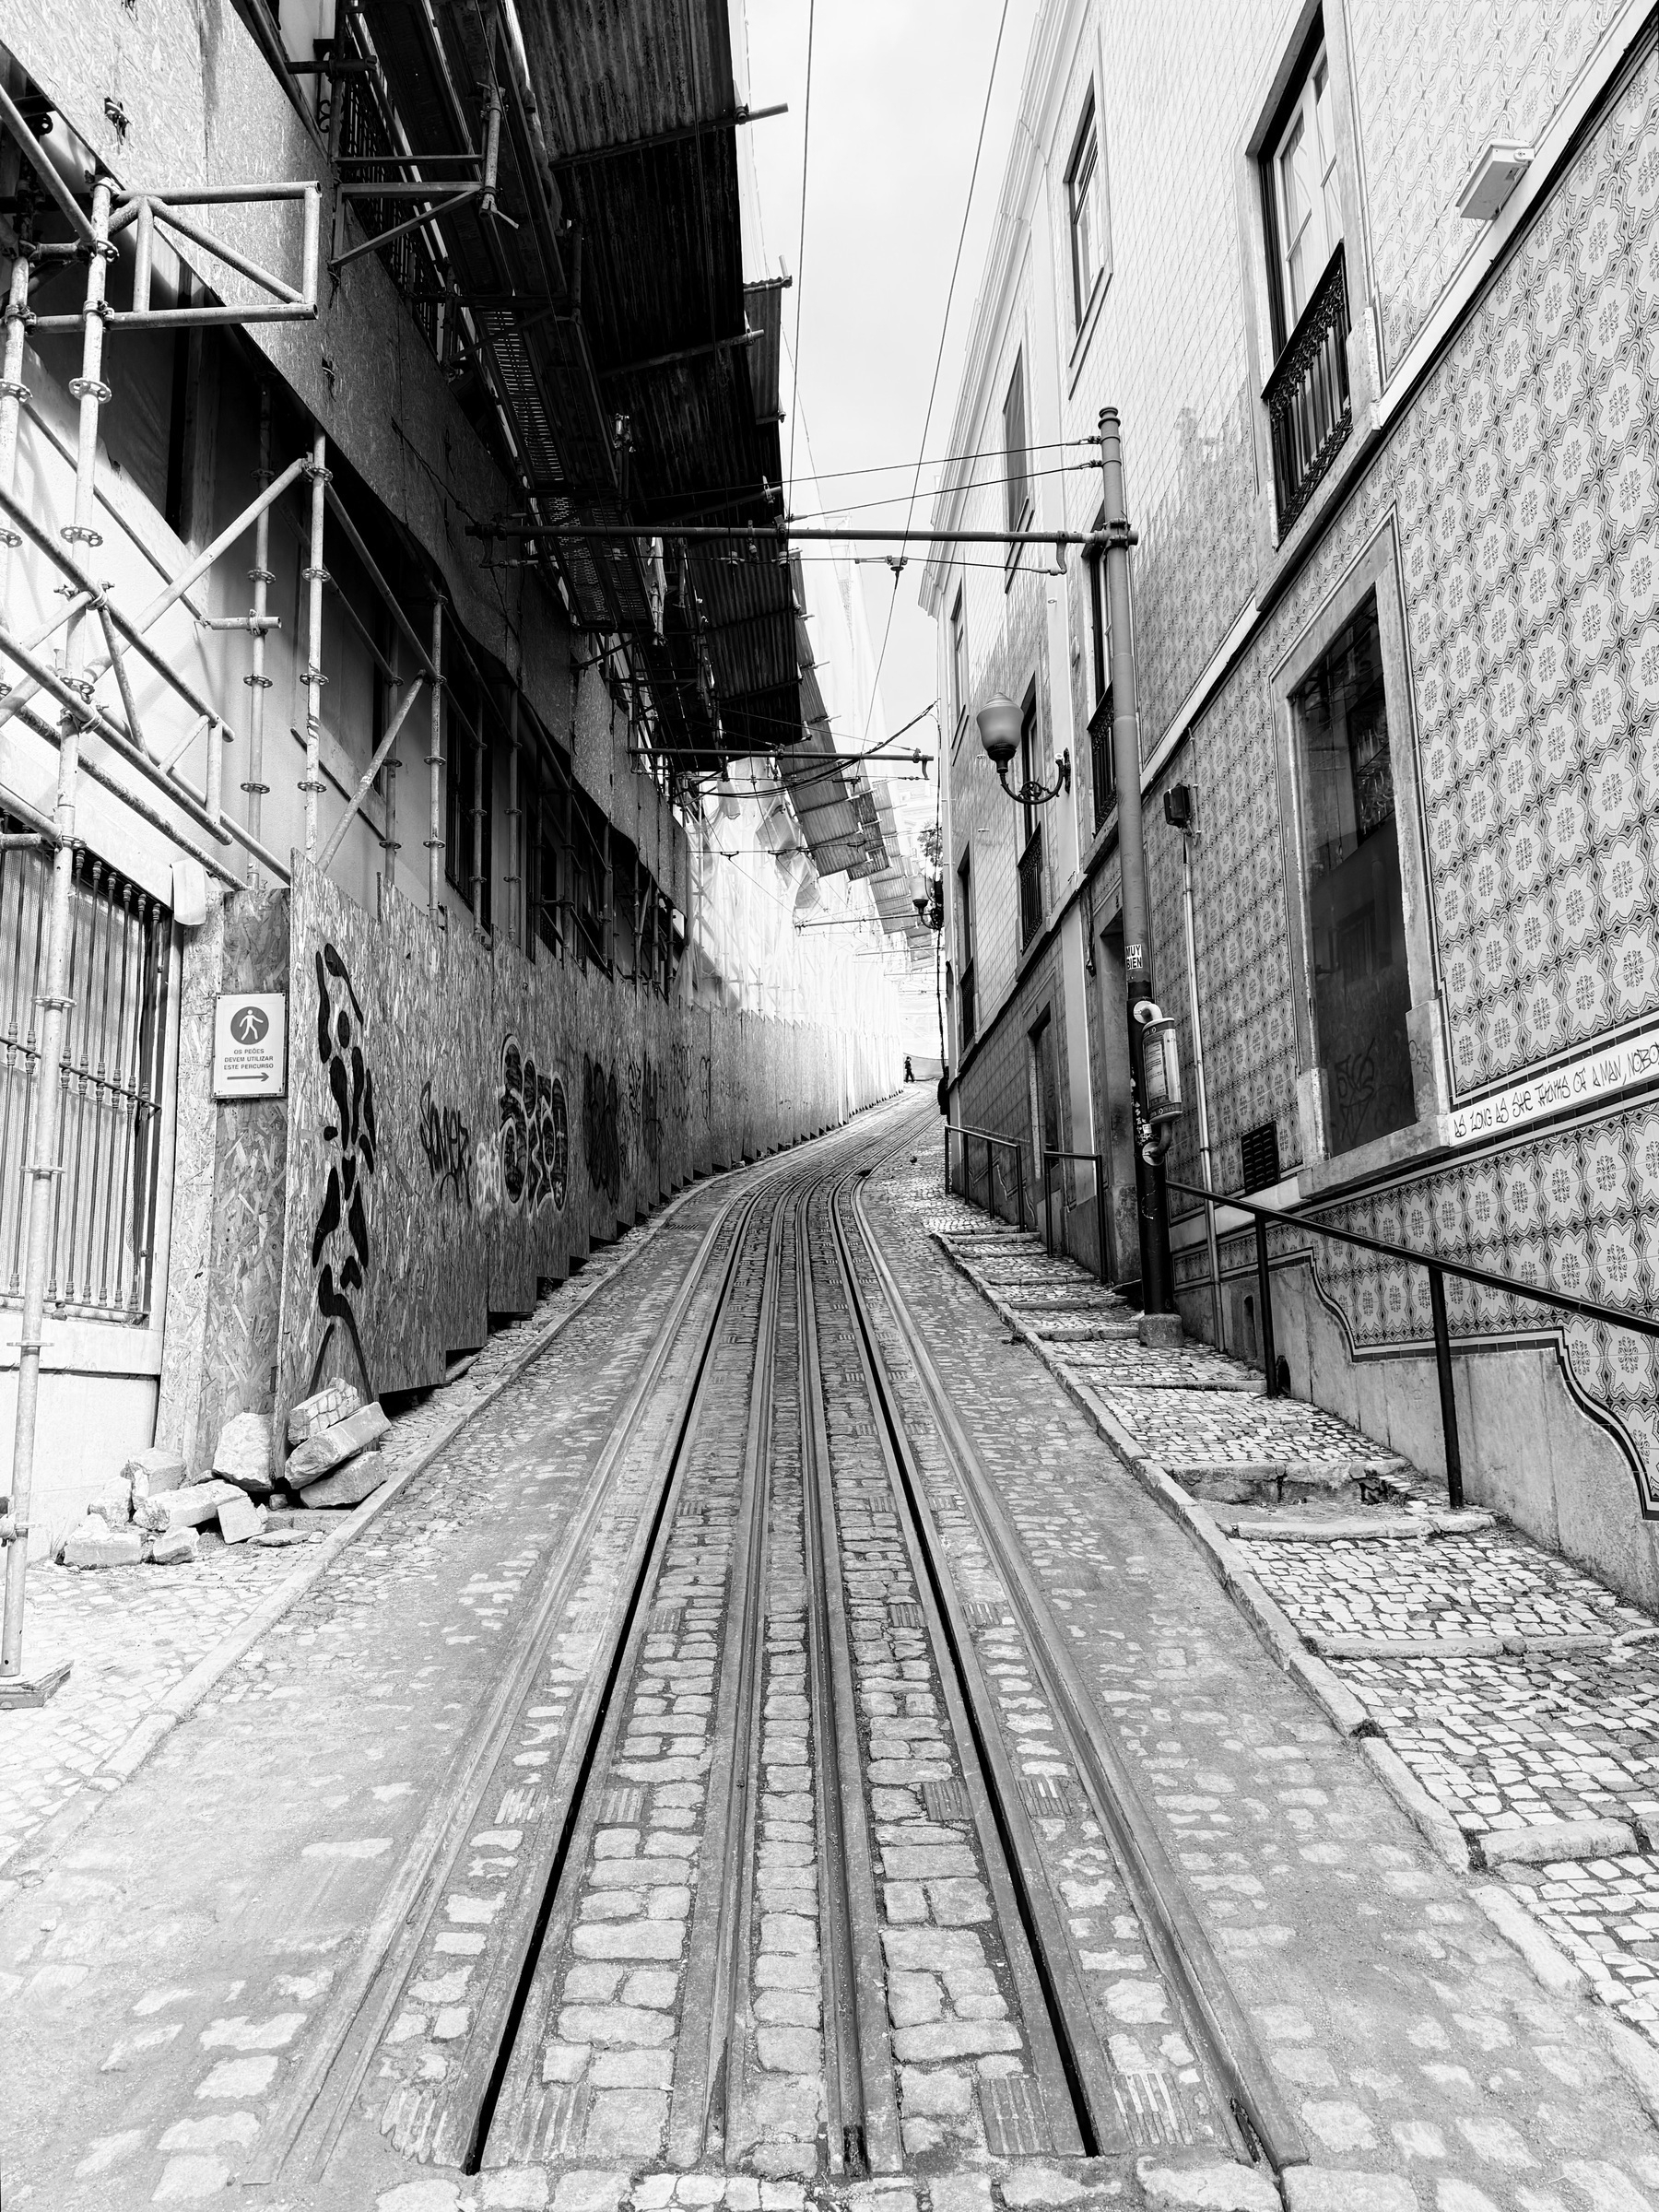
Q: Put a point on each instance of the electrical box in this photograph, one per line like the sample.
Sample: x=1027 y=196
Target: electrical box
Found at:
x=1495 y=175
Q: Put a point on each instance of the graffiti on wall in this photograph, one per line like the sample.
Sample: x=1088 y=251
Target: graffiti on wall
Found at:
x=339 y=1252
x=534 y=1134
x=651 y=1120
x=604 y=1130
x=447 y=1143
x=680 y=1080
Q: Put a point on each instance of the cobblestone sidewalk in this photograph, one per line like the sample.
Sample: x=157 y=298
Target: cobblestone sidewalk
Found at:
x=1520 y=1696
x=133 y=1633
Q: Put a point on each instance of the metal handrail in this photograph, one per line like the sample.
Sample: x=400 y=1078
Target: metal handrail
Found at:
x=1052 y=1156
x=1438 y=1269
x=990 y=1139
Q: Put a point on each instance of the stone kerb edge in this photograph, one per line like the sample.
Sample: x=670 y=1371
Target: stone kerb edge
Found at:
x=1344 y=1711
x=1634 y=2057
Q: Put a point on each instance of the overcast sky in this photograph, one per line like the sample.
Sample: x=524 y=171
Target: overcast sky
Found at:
x=898 y=90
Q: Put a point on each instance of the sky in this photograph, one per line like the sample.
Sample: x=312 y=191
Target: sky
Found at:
x=898 y=88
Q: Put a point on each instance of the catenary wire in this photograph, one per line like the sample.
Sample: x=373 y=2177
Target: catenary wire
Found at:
x=979 y=147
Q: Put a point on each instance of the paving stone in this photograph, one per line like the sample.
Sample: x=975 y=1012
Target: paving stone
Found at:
x=1328 y=2189
x=1209 y=2185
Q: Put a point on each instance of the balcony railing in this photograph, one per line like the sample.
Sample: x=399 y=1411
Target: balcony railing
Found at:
x=966 y=1020
x=1309 y=405
x=1101 y=764
x=1031 y=888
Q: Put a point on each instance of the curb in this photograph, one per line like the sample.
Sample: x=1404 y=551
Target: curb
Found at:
x=33 y=1852
x=1635 y=2057
x=1271 y=1623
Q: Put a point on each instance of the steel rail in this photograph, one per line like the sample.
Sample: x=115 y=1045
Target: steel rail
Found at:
x=495 y=2093
x=1070 y=2062
x=1175 y=1934
x=366 y=2000
x=718 y=1934
x=863 y=2111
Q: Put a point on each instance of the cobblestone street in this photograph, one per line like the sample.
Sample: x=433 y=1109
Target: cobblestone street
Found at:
x=847 y=1872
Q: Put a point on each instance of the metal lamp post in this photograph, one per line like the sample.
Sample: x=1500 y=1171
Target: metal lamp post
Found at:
x=1152 y=1132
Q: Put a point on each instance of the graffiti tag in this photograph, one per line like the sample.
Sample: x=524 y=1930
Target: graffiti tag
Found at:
x=447 y=1143
x=340 y=1235
x=534 y=1134
x=603 y=1133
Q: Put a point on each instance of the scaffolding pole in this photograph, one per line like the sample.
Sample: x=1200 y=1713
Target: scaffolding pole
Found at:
x=257 y=681
x=317 y=576
x=40 y=1173
x=434 y=842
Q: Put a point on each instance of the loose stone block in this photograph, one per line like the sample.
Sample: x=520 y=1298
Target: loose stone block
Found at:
x=350 y=1486
x=197 y=1503
x=332 y=1447
x=96 y=1544
x=313 y=1414
x=239 y=1519
x=149 y=1472
x=242 y=1454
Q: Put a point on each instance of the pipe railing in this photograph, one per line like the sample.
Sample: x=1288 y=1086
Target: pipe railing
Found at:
x=1438 y=1269
x=992 y=1144
x=1051 y=1158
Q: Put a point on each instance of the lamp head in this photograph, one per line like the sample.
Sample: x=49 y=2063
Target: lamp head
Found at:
x=999 y=723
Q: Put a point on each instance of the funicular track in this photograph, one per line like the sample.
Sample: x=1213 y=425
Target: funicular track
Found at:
x=763 y=1699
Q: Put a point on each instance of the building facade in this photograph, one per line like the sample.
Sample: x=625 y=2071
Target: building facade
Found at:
x=331 y=547
x=1375 y=292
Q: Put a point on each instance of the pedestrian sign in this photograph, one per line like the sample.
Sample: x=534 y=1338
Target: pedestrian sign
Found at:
x=249 y=1045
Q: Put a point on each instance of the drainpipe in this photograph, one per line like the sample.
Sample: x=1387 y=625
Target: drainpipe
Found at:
x=1151 y=1202
x=1204 y=1134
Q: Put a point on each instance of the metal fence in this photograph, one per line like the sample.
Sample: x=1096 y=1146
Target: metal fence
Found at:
x=109 y=1099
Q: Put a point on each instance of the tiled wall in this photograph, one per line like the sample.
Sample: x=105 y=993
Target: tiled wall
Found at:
x=1434 y=82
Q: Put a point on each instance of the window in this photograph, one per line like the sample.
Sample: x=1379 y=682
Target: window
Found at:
x=1306 y=215
x=1356 y=909
x=469 y=776
x=1083 y=201
x=959 y=661
x=1027 y=755
x=1016 y=455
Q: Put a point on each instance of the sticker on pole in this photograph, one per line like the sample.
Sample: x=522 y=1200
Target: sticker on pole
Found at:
x=250 y=1044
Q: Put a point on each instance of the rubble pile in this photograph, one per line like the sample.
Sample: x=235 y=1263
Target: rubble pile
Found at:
x=154 y=1509
x=335 y=1457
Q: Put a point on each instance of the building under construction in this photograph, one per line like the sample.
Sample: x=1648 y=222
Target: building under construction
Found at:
x=369 y=945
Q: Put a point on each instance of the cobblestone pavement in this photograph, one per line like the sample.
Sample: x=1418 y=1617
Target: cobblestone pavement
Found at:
x=1520 y=1693
x=133 y=1633
x=272 y=1957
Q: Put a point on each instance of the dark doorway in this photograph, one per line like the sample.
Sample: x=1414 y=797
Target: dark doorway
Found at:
x=1356 y=914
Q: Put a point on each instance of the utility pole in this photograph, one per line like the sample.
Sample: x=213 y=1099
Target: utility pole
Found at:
x=1151 y=1200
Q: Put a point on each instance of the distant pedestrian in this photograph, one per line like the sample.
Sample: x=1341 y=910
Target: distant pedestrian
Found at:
x=945 y=1092
x=909 y=1073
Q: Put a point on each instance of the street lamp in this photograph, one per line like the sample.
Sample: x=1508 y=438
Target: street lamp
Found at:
x=1000 y=728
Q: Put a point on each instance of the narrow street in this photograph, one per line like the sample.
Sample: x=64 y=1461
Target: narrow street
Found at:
x=830 y=1105
x=777 y=1746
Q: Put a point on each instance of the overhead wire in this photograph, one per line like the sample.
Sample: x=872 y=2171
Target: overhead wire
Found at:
x=979 y=147
x=801 y=251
